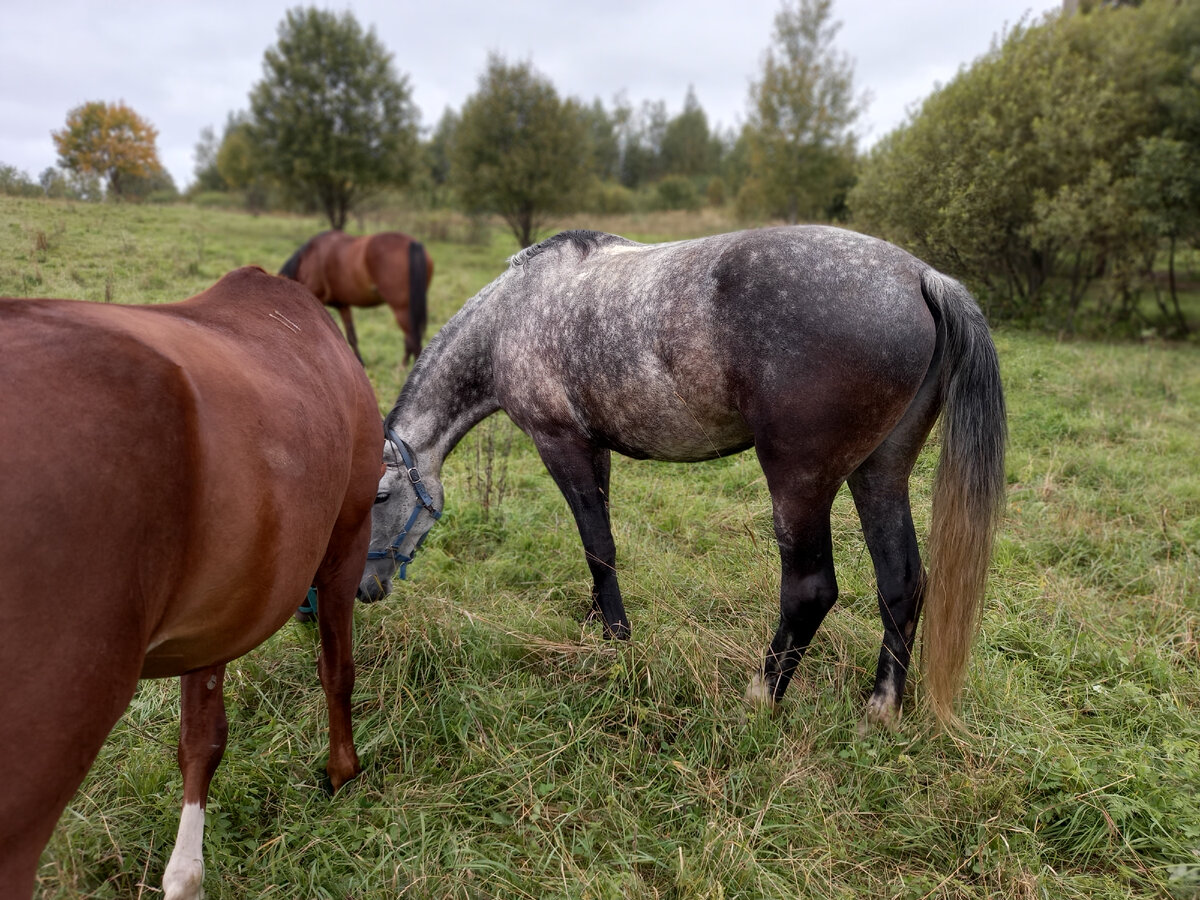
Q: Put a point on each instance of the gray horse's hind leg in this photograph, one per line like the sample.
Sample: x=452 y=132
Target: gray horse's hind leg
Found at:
x=887 y=526
x=880 y=490
x=581 y=472
x=808 y=588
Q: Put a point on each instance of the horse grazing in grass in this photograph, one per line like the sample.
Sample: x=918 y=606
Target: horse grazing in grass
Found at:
x=829 y=352
x=388 y=267
x=175 y=477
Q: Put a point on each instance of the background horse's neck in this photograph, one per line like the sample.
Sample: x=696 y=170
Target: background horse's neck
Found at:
x=450 y=388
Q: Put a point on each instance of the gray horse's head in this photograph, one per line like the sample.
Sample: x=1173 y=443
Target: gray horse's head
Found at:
x=407 y=504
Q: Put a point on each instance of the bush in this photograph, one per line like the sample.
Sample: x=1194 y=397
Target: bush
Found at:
x=161 y=196
x=1058 y=159
x=610 y=198
x=676 y=192
x=15 y=183
x=715 y=192
x=750 y=201
x=216 y=199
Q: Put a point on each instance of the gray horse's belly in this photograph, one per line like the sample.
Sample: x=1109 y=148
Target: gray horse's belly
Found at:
x=666 y=420
x=677 y=441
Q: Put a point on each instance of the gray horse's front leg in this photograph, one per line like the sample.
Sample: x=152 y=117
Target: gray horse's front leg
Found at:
x=581 y=472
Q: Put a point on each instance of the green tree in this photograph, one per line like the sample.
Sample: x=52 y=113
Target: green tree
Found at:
x=239 y=165
x=208 y=176
x=519 y=150
x=641 y=136
x=1166 y=187
x=798 y=132
x=604 y=142
x=439 y=155
x=1034 y=173
x=109 y=140
x=331 y=119
x=687 y=146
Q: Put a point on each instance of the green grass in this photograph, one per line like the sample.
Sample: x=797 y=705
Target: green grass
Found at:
x=510 y=752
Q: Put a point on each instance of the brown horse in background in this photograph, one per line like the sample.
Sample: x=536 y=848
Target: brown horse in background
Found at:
x=388 y=267
x=175 y=478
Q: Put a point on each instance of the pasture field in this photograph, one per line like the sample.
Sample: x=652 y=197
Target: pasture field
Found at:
x=509 y=751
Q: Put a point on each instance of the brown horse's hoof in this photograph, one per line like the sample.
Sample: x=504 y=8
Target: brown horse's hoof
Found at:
x=338 y=776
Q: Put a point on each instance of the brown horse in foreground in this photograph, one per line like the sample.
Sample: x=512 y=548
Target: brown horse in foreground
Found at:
x=388 y=267
x=175 y=477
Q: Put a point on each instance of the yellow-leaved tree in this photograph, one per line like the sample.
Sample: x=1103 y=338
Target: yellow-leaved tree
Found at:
x=109 y=140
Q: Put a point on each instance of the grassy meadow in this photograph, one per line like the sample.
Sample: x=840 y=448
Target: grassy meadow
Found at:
x=509 y=751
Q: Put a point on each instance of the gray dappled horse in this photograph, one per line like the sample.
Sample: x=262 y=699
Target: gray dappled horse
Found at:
x=831 y=353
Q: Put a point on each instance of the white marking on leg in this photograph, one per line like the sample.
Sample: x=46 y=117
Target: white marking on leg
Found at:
x=184 y=877
x=758 y=693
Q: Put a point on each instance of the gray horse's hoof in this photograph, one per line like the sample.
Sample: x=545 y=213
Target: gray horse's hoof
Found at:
x=881 y=715
x=758 y=694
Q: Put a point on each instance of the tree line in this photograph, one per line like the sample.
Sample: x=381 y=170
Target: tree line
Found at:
x=1056 y=175
x=518 y=149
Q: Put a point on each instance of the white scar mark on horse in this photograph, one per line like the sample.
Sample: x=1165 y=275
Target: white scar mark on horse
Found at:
x=184 y=877
x=280 y=317
x=212 y=682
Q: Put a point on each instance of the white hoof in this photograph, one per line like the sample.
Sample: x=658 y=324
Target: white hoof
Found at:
x=184 y=880
x=758 y=694
x=881 y=713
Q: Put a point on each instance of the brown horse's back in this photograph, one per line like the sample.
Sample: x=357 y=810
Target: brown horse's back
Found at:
x=388 y=267
x=172 y=477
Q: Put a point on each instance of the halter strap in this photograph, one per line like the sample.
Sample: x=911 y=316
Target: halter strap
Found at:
x=424 y=501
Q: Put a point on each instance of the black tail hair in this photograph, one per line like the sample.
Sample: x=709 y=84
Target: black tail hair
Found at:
x=417 y=280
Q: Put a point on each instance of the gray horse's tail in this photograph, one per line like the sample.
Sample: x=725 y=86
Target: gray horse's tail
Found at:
x=968 y=490
x=418 y=279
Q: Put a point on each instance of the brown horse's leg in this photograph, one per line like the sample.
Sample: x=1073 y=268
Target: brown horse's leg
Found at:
x=336 y=585
x=67 y=679
x=393 y=287
x=202 y=732
x=348 y=324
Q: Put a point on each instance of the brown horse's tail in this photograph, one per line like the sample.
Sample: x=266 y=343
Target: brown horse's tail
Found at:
x=418 y=280
x=968 y=489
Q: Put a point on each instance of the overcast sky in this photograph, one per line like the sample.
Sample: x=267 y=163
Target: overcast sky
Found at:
x=184 y=65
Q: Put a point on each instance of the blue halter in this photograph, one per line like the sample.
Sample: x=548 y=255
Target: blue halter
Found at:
x=424 y=501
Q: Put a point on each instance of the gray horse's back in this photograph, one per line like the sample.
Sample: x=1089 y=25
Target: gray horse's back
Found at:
x=666 y=351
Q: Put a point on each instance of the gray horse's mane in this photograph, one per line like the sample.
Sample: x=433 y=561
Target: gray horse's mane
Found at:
x=584 y=243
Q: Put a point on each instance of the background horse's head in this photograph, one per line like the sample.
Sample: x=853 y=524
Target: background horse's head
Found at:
x=407 y=504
